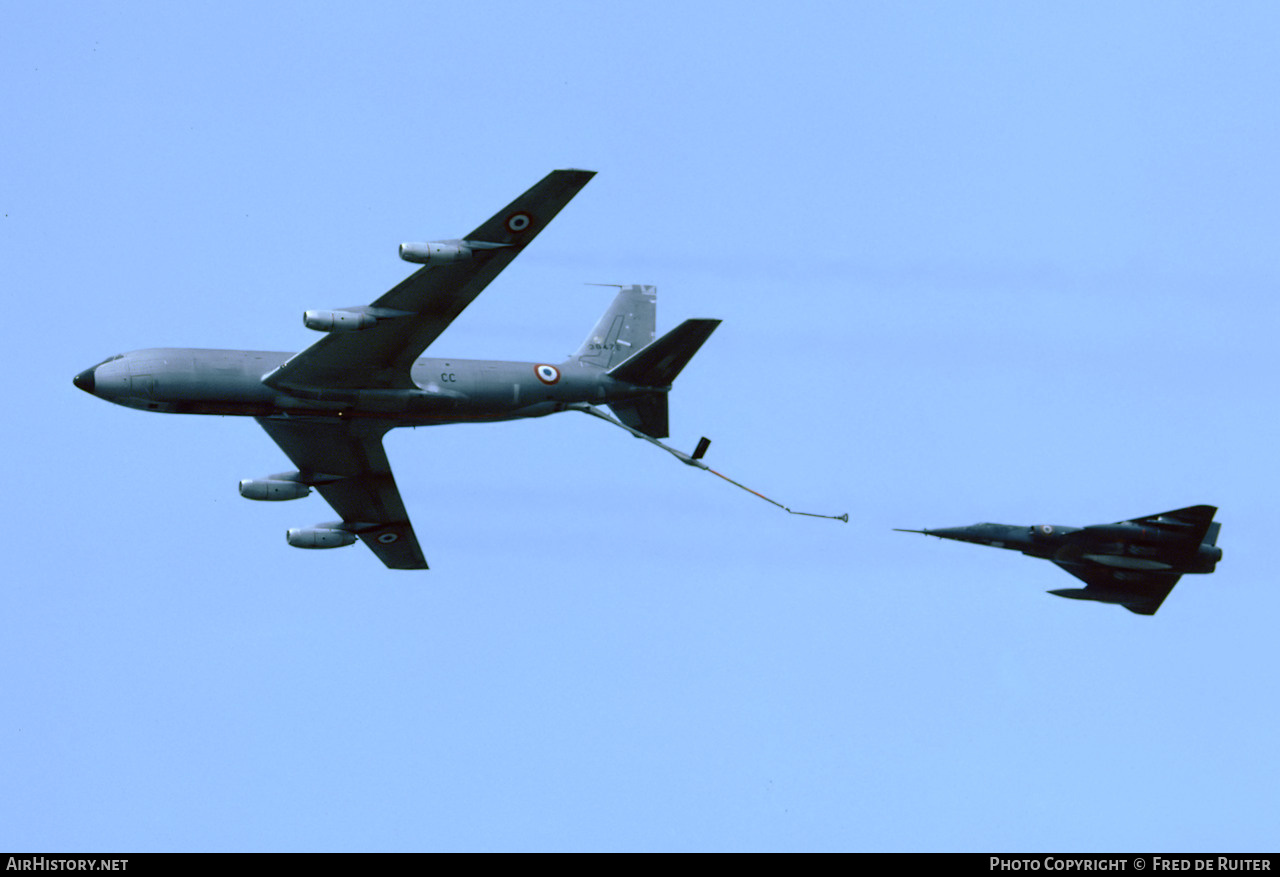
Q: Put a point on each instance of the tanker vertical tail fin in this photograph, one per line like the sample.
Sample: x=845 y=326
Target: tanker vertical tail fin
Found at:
x=626 y=327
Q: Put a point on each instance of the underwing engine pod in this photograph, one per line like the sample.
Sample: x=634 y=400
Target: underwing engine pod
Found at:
x=435 y=252
x=337 y=321
x=319 y=537
x=273 y=489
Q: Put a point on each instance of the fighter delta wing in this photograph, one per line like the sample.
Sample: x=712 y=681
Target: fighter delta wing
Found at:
x=1186 y=527
x=1132 y=563
x=1139 y=591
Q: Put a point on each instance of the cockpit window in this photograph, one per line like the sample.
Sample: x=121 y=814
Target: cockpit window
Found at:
x=111 y=359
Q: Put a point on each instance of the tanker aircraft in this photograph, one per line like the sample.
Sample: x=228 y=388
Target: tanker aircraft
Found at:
x=1134 y=563
x=329 y=406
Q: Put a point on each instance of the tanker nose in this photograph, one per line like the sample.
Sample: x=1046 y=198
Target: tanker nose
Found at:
x=84 y=380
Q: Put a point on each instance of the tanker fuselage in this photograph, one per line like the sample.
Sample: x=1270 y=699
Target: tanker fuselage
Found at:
x=229 y=382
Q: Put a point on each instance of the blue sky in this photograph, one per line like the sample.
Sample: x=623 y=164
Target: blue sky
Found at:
x=976 y=262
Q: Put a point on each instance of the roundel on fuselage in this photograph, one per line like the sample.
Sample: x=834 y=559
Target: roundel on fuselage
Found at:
x=548 y=374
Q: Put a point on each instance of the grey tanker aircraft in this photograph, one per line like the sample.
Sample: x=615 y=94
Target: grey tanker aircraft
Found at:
x=1133 y=563
x=329 y=406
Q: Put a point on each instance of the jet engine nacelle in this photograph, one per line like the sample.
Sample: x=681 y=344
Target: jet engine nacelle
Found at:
x=271 y=490
x=434 y=253
x=319 y=537
x=337 y=321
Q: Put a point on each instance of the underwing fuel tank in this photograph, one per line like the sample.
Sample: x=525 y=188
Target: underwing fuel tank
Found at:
x=1097 y=596
x=1121 y=561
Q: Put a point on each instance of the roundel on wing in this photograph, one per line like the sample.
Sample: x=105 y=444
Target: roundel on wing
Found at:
x=1046 y=529
x=388 y=538
x=518 y=222
x=548 y=374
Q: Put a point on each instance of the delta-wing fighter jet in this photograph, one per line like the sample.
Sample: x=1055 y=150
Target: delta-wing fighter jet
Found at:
x=1134 y=563
x=329 y=406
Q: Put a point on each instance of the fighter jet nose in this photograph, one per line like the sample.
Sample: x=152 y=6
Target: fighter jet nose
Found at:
x=84 y=380
x=977 y=533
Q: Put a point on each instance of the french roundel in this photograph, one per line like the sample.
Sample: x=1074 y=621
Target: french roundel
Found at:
x=1046 y=529
x=518 y=222
x=388 y=538
x=548 y=374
